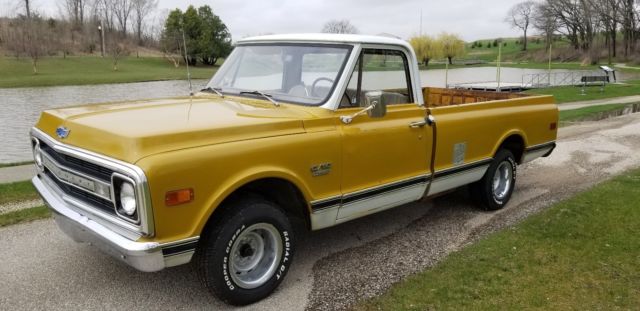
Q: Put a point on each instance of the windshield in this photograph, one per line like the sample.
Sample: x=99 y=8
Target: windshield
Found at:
x=296 y=73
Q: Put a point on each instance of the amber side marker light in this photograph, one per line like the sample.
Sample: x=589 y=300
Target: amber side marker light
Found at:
x=177 y=197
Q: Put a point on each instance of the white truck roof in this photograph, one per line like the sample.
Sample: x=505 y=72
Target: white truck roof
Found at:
x=327 y=38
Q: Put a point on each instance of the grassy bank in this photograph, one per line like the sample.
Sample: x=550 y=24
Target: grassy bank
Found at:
x=17 y=192
x=568 y=94
x=15 y=164
x=83 y=70
x=586 y=113
x=25 y=215
x=581 y=254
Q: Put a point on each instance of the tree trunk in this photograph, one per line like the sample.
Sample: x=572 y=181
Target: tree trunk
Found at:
x=34 y=64
x=450 y=60
x=524 y=47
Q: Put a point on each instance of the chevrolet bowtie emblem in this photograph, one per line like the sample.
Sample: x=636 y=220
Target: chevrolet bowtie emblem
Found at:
x=62 y=132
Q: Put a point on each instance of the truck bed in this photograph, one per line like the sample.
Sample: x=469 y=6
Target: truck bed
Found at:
x=438 y=97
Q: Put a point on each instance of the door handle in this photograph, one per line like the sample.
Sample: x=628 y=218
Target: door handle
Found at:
x=417 y=124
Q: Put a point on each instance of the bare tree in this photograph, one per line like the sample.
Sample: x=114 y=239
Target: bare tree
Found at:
x=75 y=10
x=27 y=8
x=545 y=22
x=117 y=50
x=122 y=11
x=142 y=9
x=339 y=26
x=520 y=16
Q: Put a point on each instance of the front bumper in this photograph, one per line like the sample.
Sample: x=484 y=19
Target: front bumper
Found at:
x=144 y=256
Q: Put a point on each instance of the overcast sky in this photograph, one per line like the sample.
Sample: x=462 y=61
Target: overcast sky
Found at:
x=471 y=19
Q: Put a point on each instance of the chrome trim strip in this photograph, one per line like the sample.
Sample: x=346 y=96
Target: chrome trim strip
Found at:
x=146 y=226
x=455 y=180
x=178 y=259
x=537 y=151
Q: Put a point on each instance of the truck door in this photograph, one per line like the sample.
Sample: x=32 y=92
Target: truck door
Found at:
x=385 y=162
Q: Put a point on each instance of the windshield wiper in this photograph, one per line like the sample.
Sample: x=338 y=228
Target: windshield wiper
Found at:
x=265 y=95
x=213 y=89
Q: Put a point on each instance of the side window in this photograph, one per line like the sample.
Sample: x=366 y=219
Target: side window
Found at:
x=381 y=70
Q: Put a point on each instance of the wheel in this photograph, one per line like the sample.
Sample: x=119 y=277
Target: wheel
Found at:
x=245 y=255
x=493 y=191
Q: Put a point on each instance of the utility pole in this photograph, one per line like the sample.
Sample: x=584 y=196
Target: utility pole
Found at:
x=101 y=29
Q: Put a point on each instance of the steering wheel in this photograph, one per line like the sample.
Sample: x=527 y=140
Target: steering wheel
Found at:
x=313 y=85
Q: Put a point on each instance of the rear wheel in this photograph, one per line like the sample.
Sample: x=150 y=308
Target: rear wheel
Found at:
x=244 y=256
x=494 y=190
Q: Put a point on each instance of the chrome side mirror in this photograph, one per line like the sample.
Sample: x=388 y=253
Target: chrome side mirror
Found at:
x=375 y=107
x=379 y=107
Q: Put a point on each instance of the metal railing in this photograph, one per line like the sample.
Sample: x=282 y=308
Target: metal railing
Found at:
x=551 y=79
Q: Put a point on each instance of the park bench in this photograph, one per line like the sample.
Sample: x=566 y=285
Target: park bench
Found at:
x=597 y=80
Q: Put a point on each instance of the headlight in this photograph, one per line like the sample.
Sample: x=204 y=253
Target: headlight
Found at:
x=128 y=198
x=125 y=197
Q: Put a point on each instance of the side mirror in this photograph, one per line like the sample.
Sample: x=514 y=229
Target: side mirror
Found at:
x=375 y=107
x=374 y=100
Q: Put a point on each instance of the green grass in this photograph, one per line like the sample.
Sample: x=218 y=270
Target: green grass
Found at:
x=510 y=52
x=15 y=164
x=580 y=254
x=568 y=94
x=17 y=191
x=25 y=215
x=587 y=112
x=83 y=70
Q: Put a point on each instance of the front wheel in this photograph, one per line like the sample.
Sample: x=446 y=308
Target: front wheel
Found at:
x=494 y=190
x=245 y=255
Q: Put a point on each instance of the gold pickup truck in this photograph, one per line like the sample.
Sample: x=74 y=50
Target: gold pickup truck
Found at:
x=320 y=129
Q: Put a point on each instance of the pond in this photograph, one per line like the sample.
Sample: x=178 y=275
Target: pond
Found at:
x=21 y=107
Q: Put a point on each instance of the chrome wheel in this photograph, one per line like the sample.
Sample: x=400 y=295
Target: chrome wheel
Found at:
x=502 y=180
x=255 y=255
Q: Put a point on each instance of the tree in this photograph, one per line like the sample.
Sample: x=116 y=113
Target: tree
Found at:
x=452 y=46
x=215 y=40
x=141 y=10
x=339 y=26
x=117 y=49
x=122 y=11
x=545 y=22
x=426 y=48
x=520 y=16
x=206 y=36
x=75 y=11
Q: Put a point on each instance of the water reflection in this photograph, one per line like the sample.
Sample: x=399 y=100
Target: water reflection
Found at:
x=21 y=107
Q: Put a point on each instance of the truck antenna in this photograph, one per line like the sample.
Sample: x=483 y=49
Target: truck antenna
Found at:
x=186 y=61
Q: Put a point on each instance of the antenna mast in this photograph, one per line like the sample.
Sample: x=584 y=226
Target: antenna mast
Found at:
x=186 y=60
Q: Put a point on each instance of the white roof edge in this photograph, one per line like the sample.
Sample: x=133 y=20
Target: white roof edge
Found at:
x=326 y=38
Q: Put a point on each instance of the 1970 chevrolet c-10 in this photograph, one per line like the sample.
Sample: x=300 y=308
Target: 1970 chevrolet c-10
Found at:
x=318 y=128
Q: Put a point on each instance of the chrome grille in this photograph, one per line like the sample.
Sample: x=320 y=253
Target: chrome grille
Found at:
x=79 y=165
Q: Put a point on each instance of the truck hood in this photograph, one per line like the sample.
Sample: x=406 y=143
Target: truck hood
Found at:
x=132 y=130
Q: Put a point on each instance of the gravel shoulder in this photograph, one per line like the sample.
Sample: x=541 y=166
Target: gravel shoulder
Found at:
x=335 y=267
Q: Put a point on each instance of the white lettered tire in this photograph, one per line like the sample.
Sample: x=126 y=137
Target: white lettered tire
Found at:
x=243 y=257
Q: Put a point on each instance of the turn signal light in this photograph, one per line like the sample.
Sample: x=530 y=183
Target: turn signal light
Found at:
x=177 y=197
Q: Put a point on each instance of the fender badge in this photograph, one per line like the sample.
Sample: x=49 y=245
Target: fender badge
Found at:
x=321 y=169
x=62 y=132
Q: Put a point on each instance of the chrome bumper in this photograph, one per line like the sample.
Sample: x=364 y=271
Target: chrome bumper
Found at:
x=144 y=256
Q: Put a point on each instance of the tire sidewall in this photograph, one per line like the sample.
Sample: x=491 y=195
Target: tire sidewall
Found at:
x=218 y=267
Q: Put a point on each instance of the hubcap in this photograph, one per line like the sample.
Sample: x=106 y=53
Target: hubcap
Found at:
x=255 y=255
x=502 y=180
